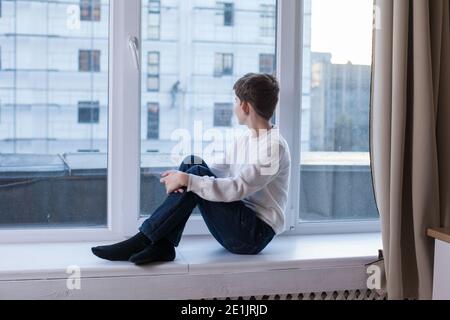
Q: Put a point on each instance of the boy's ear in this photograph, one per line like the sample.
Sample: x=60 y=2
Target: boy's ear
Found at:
x=246 y=107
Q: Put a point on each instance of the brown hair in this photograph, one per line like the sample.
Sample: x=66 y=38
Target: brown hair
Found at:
x=261 y=91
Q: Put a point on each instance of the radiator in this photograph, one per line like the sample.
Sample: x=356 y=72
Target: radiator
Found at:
x=363 y=294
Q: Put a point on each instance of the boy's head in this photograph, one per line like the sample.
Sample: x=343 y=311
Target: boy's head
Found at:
x=256 y=97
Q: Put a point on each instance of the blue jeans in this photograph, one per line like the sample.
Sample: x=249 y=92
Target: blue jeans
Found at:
x=235 y=226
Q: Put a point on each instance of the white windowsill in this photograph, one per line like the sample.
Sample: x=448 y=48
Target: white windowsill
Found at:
x=202 y=269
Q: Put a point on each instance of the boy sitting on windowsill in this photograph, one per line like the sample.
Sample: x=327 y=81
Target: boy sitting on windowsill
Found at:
x=242 y=203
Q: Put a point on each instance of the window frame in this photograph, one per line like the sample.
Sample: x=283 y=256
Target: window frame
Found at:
x=289 y=62
x=124 y=133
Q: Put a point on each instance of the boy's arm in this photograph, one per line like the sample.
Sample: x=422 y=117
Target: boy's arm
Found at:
x=250 y=180
x=220 y=168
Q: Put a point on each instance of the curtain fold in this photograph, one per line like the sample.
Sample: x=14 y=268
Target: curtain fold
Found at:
x=410 y=137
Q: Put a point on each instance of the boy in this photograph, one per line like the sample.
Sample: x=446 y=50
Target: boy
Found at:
x=241 y=203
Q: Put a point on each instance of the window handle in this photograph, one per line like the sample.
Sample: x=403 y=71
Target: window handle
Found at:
x=133 y=45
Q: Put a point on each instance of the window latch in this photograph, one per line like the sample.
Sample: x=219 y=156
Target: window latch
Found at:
x=133 y=45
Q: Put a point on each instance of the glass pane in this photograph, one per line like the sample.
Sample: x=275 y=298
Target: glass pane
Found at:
x=204 y=46
x=54 y=113
x=335 y=167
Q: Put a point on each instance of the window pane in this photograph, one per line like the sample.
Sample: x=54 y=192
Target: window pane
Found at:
x=89 y=60
x=153 y=83
x=154 y=19
x=204 y=46
x=153 y=121
x=90 y=10
x=223 y=114
x=335 y=167
x=267 y=63
x=228 y=14
x=268 y=20
x=54 y=107
x=88 y=112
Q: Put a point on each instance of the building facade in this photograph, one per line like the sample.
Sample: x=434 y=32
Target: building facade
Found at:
x=54 y=69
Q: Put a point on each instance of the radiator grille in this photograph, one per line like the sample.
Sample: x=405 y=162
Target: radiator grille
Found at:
x=363 y=294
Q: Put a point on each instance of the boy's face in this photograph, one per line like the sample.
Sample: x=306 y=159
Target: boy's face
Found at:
x=240 y=112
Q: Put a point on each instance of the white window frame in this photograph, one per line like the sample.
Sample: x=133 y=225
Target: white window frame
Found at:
x=290 y=75
x=124 y=137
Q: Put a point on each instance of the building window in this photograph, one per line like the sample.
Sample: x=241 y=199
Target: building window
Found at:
x=225 y=11
x=89 y=60
x=223 y=114
x=152 y=121
x=88 y=112
x=90 y=10
x=154 y=19
x=223 y=65
x=267 y=63
x=268 y=20
x=228 y=14
x=153 y=71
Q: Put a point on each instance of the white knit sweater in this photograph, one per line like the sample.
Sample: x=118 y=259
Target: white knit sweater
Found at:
x=256 y=171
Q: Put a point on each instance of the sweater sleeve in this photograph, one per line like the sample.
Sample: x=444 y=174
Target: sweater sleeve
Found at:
x=251 y=178
x=220 y=168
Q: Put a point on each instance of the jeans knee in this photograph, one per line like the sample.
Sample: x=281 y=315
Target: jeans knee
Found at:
x=189 y=162
x=198 y=170
x=193 y=160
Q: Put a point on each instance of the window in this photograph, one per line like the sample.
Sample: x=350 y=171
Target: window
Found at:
x=88 y=112
x=66 y=136
x=90 y=10
x=153 y=121
x=225 y=14
x=268 y=20
x=194 y=71
x=223 y=114
x=89 y=60
x=223 y=64
x=228 y=19
x=154 y=19
x=43 y=102
x=335 y=164
x=267 y=63
x=153 y=71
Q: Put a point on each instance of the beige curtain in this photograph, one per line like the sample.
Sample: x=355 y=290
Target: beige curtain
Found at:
x=410 y=137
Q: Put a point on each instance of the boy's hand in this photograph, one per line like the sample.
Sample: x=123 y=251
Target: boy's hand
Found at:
x=175 y=181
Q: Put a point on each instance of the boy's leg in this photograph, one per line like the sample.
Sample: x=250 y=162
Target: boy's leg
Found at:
x=169 y=220
x=236 y=227
x=182 y=203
